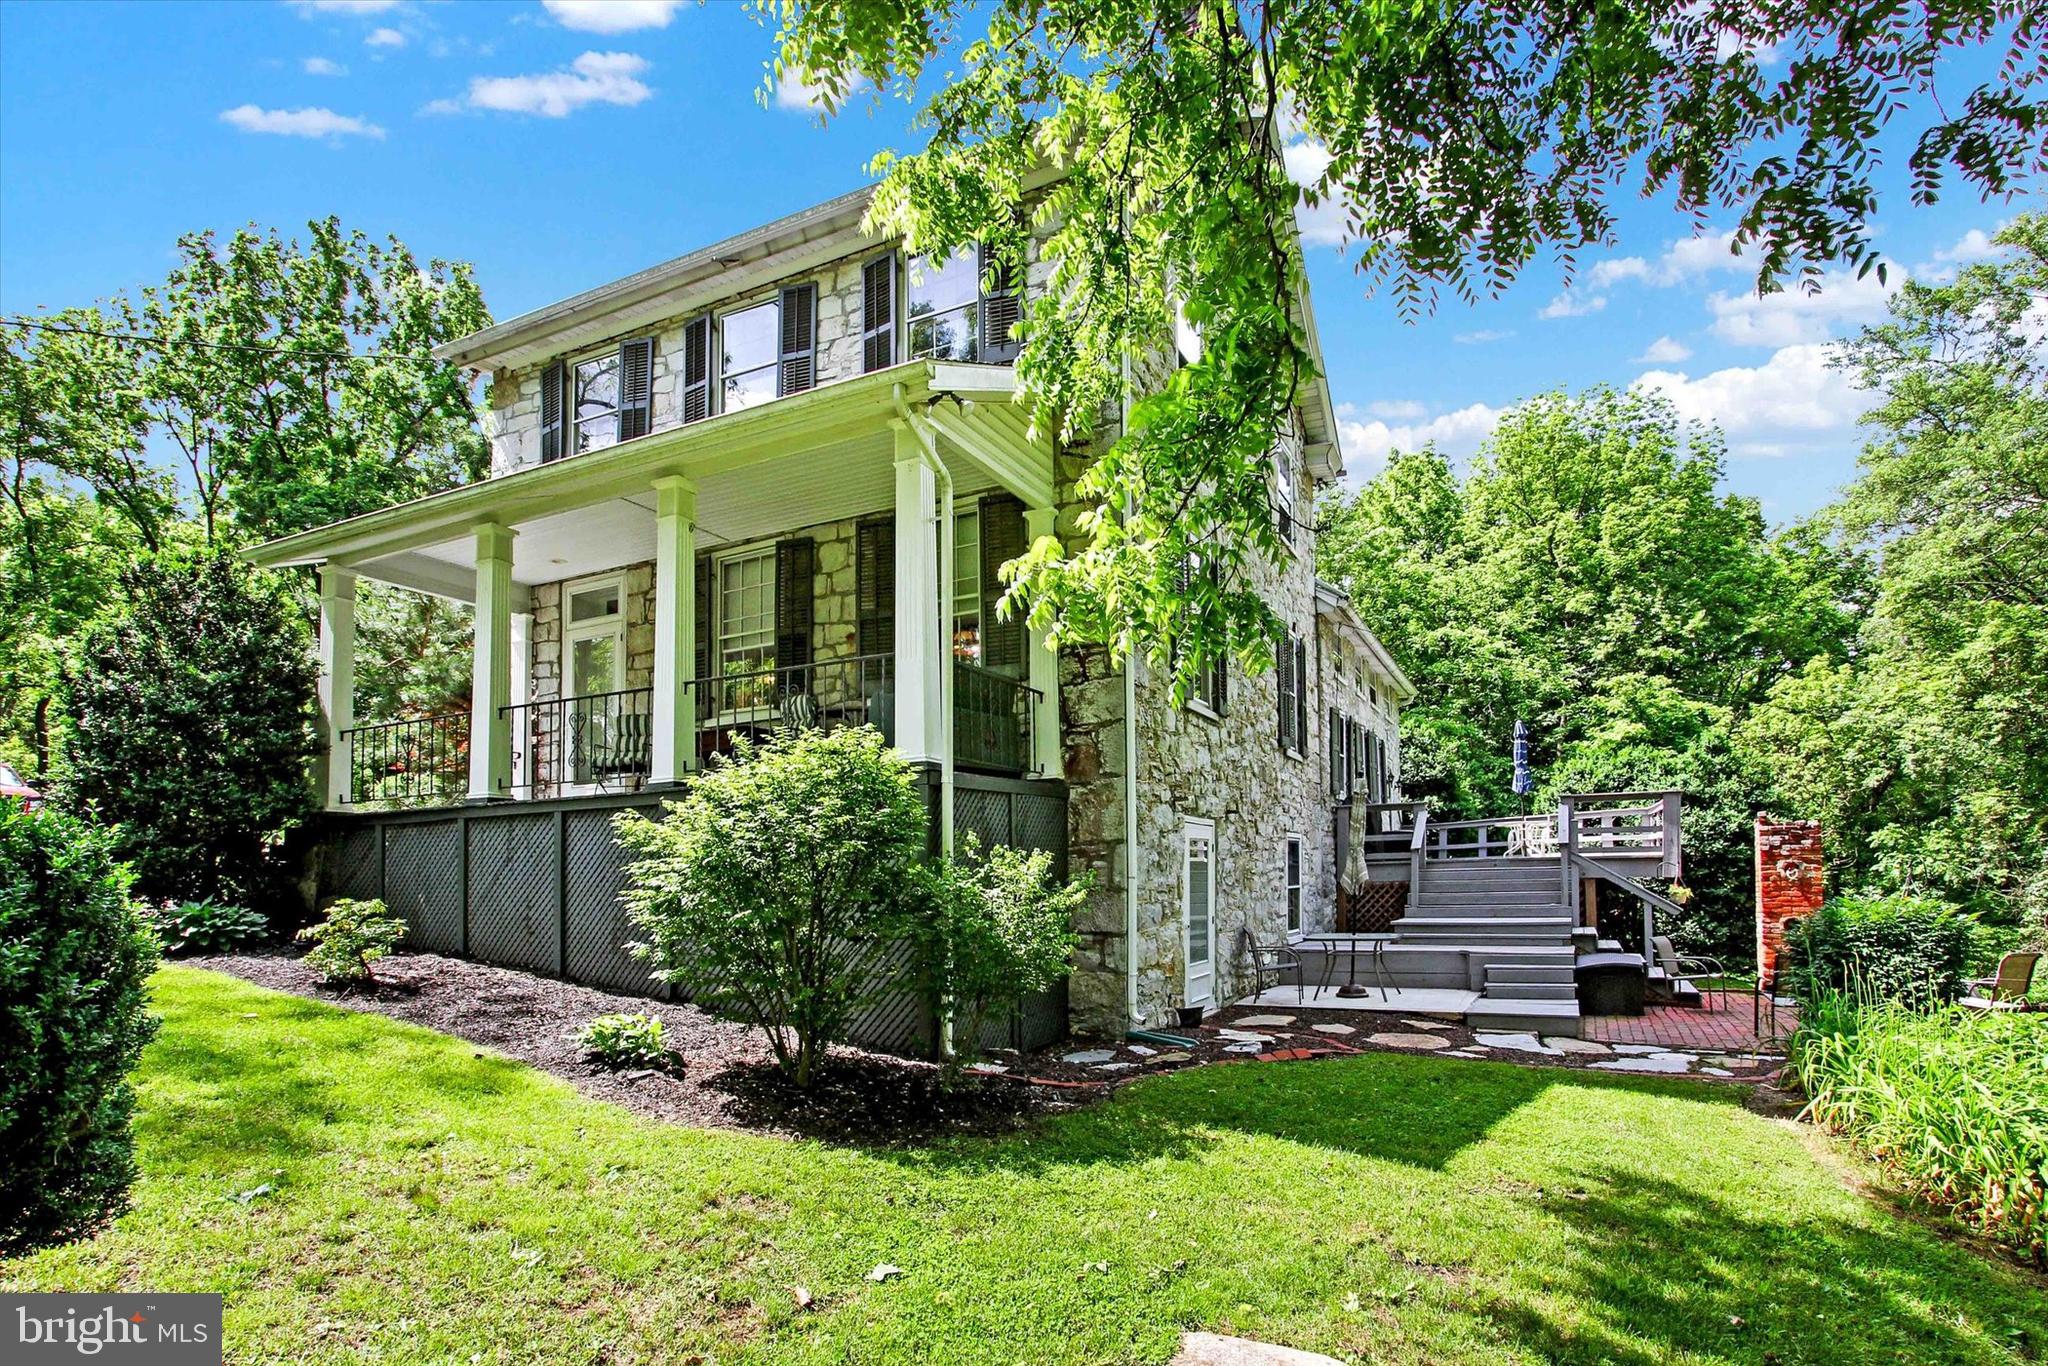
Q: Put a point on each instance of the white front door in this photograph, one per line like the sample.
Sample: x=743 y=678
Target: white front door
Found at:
x=595 y=673
x=1198 y=911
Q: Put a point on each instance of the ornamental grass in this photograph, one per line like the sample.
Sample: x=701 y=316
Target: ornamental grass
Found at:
x=1953 y=1103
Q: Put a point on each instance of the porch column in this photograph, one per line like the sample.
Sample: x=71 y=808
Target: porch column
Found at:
x=333 y=770
x=490 y=692
x=920 y=626
x=675 y=629
x=1044 y=671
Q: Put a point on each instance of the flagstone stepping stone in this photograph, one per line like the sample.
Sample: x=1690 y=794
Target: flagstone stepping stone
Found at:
x=1268 y=1021
x=1520 y=1043
x=1245 y=1047
x=1422 y=1041
x=1640 y=1049
x=1565 y=1044
x=1114 y=1066
x=1716 y=1072
x=1215 y=1349
x=1243 y=1036
x=1175 y=1056
x=1139 y=1050
x=1661 y=1062
x=1426 y=1024
x=1464 y=1053
x=990 y=1067
x=1333 y=1029
x=1090 y=1056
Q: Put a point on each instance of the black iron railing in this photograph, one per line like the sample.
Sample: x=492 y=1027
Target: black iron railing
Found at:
x=422 y=761
x=853 y=690
x=993 y=717
x=593 y=742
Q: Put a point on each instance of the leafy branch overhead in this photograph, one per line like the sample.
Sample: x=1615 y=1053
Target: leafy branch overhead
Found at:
x=1461 y=141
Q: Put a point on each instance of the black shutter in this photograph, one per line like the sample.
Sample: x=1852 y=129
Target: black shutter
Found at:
x=1002 y=303
x=552 y=382
x=636 y=388
x=707 y=694
x=1218 y=662
x=697 y=368
x=1283 y=675
x=1386 y=779
x=1372 y=770
x=1003 y=643
x=1301 y=693
x=874 y=590
x=799 y=370
x=878 y=313
x=1340 y=756
x=796 y=575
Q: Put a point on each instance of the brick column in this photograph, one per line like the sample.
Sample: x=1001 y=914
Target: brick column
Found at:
x=1789 y=885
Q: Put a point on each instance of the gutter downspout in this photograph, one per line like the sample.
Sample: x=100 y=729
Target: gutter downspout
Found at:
x=1131 y=1020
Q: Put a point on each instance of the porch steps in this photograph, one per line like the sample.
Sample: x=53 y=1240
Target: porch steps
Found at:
x=1497 y=926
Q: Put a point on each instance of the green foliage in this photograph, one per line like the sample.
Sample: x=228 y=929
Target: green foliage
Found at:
x=190 y=726
x=1000 y=928
x=625 y=1040
x=1459 y=141
x=1891 y=949
x=1924 y=751
x=352 y=935
x=777 y=886
x=206 y=926
x=74 y=957
x=1951 y=1103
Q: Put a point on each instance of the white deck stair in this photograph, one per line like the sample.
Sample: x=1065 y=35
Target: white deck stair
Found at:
x=1497 y=926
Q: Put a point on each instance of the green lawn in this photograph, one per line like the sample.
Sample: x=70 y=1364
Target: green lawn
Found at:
x=431 y=1204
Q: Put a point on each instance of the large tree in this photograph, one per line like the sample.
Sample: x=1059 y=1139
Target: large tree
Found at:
x=1461 y=140
x=1925 y=752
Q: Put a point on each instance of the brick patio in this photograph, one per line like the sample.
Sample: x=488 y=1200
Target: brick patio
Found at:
x=1723 y=1025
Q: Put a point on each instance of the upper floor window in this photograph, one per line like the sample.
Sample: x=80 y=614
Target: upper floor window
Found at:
x=596 y=404
x=957 y=311
x=1283 y=491
x=749 y=355
x=597 y=401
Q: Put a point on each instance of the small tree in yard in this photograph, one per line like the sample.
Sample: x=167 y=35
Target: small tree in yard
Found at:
x=191 y=725
x=998 y=929
x=776 y=887
x=74 y=954
x=353 y=935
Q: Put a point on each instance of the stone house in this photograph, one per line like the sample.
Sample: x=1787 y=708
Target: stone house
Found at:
x=772 y=481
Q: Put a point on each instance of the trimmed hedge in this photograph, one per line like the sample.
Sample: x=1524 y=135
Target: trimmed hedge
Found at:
x=74 y=956
x=1893 y=948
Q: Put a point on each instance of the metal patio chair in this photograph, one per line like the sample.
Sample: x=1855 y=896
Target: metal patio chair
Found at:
x=1268 y=964
x=2006 y=989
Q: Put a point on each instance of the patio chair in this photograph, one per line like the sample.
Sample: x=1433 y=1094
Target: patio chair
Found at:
x=2007 y=989
x=1686 y=968
x=1268 y=964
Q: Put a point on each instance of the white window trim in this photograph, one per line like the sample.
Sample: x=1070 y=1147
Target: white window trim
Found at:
x=715 y=653
x=1299 y=845
x=905 y=324
x=571 y=427
x=613 y=626
x=1192 y=829
x=716 y=360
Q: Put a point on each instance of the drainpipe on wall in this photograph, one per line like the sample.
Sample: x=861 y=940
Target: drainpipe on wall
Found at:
x=1131 y=1020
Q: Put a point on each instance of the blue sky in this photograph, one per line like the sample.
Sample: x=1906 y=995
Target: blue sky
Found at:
x=558 y=144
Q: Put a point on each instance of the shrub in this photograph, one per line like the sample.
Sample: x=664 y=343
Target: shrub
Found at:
x=1951 y=1102
x=190 y=728
x=353 y=935
x=998 y=930
x=775 y=889
x=625 y=1040
x=74 y=955
x=206 y=926
x=1889 y=948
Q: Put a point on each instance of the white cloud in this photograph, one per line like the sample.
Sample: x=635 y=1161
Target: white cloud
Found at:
x=1769 y=410
x=1572 y=304
x=346 y=6
x=593 y=78
x=299 y=123
x=1665 y=351
x=320 y=66
x=1690 y=257
x=1456 y=434
x=1482 y=336
x=1791 y=315
x=1616 y=269
x=1323 y=224
x=1973 y=246
x=611 y=16
x=1402 y=409
x=385 y=37
x=793 y=92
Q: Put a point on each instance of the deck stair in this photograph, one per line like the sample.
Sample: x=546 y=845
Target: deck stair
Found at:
x=1498 y=926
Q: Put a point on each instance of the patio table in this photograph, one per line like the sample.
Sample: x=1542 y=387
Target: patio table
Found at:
x=1351 y=945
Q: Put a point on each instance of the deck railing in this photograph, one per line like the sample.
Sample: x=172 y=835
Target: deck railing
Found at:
x=852 y=690
x=593 y=742
x=418 y=761
x=993 y=717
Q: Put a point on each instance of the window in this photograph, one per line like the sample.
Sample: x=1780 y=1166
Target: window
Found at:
x=595 y=645
x=598 y=401
x=748 y=358
x=1283 y=491
x=1209 y=692
x=1340 y=755
x=1290 y=883
x=595 y=406
x=950 y=316
x=1198 y=912
x=967 y=587
x=1290 y=661
x=745 y=629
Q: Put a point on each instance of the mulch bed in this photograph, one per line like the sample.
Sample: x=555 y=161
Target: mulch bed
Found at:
x=726 y=1077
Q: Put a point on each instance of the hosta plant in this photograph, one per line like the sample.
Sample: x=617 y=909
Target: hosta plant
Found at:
x=206 y=926
x=623 y=1040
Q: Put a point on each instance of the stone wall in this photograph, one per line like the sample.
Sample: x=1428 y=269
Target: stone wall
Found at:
x=1789 y=885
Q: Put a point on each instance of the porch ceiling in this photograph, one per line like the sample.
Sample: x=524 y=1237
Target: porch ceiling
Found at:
x=815 y=457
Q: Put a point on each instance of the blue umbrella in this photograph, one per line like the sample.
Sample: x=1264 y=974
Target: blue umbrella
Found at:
x=1525 y=782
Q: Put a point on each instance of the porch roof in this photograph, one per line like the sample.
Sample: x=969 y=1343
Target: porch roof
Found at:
x=807 y=458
